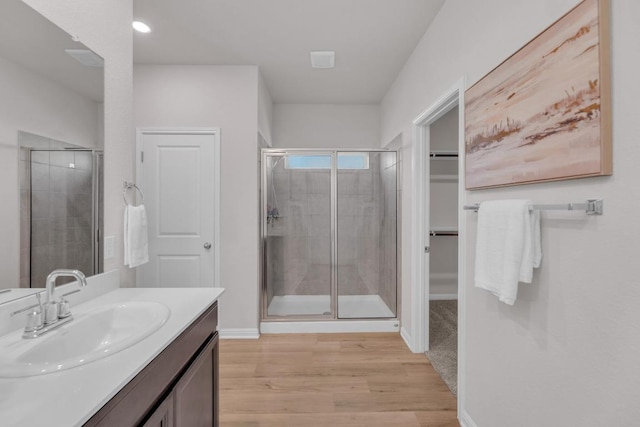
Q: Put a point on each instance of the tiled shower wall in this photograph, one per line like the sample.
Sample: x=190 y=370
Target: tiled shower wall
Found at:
x=298 y=243
x=57 y=186
x=388 y=237
x=359 y=218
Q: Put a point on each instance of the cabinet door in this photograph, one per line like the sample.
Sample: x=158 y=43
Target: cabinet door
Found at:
x=196 y=397
x=163 y=415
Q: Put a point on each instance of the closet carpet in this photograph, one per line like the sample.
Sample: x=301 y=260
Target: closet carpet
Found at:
x=443 y=341
x=330 y=380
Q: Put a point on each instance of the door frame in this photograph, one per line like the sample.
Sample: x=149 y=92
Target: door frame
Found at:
x=215 y=132
x=419 y=339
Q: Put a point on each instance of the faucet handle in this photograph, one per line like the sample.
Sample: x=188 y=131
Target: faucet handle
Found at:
x=63 y=308
x=34 y=320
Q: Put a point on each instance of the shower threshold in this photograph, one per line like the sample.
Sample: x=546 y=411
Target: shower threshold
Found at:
x=357 y=313
x=349 y=306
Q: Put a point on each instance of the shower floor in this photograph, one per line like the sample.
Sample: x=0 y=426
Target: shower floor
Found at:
x=349 y=306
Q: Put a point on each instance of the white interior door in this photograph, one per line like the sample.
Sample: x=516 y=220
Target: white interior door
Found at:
x=178 y=173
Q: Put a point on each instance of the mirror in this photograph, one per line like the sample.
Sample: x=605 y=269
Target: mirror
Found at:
x=51 y=142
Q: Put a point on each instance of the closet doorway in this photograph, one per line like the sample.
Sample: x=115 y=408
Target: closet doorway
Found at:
x=438 y=245
x=443 y=247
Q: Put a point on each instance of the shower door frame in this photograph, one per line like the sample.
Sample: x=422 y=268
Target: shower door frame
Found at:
x=334 y=315
x=98 y=210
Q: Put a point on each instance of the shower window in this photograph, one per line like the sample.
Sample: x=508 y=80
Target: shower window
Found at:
x=353 y=160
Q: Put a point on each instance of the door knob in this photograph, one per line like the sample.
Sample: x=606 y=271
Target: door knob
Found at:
x=207 y=245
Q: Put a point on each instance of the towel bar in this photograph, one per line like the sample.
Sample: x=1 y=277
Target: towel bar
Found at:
x=590 y=207
x=129 y=185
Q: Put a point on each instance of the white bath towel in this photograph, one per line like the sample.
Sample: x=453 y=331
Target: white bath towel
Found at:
x=507 y=247
x=136 y=246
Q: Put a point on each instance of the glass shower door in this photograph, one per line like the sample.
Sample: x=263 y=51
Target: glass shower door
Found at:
x=296 y=226
x=65 y=212
x=366 y=238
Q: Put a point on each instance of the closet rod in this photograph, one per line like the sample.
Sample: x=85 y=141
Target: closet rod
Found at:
x=444 y=154
x=590 y=207
x=443 y=233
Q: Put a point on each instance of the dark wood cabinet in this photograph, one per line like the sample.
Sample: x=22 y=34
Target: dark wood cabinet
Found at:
x=163 y=415
x=195 y=393
x=192 y=401
x=179 y=388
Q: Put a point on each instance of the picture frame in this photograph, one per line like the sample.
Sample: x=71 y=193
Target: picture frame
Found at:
x=544 y=114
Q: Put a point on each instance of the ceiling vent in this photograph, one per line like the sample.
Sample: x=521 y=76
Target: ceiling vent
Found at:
x=323 y=59
x=86 y=57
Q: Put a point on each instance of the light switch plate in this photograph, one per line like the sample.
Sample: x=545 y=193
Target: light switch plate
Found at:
x=109 y=246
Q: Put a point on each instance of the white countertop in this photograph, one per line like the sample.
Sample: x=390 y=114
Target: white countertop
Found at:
x=7 y=295
x=71 y=397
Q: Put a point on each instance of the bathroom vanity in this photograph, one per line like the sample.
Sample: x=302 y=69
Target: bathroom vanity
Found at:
x=168 y=378
x=178 y=388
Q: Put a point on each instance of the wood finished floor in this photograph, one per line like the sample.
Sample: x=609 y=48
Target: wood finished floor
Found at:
x=334 y=380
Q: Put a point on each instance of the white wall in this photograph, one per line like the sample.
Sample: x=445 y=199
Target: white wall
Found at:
x=566 y=353
x=33 y=104
x=224 y=97
x=326 y=126
x=265 y=111
x=105 y=27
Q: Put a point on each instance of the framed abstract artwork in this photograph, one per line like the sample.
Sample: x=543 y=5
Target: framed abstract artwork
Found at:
x=544 y=114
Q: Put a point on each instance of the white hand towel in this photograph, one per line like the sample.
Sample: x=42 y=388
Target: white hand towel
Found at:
x=507 y=247
x=532 y=251
x=136 y=246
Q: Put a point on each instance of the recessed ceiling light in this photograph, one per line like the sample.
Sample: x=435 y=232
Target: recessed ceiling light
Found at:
x=141 y=27
x=323 y=59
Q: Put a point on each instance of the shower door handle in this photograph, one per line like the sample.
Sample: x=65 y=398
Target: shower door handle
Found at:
x=207 y=245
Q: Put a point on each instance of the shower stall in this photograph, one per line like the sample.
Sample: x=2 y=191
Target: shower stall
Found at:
x=329 y=238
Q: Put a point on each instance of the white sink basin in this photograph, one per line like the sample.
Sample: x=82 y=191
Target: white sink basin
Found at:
x=92 y=335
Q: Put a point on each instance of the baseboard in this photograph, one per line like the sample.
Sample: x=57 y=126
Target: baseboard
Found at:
x=465 y=420
x=239 y=333
x=320 y=327
x=407 y=339
x=437 y=297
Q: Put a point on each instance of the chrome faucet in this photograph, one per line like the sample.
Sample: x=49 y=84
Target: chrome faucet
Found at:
x=44 y=318
x=53 y=311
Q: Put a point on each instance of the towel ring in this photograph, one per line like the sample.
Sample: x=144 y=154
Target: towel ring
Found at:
x=129 y=185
